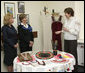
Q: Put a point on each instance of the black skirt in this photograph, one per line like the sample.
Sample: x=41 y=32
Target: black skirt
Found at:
x=9 y=54
x=24 y=47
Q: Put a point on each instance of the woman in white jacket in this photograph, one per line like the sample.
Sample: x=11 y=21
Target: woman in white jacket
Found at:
x=71 y=31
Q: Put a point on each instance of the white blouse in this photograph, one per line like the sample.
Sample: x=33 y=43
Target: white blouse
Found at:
x=73 y=26
x=26 y=26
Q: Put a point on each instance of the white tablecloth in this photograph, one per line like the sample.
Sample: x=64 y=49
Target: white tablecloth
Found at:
x=49 y=67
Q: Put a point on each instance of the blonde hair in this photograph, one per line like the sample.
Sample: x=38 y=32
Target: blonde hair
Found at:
x=7 y=18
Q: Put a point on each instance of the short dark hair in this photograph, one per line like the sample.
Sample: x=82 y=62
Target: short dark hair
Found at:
x=69 y=11
x=22 y=16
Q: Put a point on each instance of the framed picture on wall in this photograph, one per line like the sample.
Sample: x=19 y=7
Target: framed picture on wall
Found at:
x=21 y=8
x=9 y=8
x=18 y=21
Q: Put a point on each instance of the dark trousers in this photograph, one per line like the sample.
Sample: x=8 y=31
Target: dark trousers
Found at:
x=70 y=46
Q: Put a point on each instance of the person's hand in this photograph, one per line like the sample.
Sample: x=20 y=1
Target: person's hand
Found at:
x=16 y=45
x=31 y=44
x=57 y=32
x=65 y=29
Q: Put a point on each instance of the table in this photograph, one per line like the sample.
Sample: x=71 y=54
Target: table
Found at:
x=51 y=65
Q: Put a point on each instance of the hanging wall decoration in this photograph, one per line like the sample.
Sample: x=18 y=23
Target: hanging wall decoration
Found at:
x=9 y=8
x=21 y=8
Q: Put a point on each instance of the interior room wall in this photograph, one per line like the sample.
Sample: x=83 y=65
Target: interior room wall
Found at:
x=33 y=8
x=59 y=6
x=78 y=7
x=79 y=13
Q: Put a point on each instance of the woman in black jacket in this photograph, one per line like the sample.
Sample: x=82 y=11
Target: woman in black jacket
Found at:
x=9 y=41
x=25 y=34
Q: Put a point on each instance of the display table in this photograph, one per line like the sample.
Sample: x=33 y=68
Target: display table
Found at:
x=54 y=64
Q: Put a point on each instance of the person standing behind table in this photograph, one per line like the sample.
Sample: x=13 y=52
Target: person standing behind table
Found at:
x=71 y=31
x=25 y=34
x=10 y=41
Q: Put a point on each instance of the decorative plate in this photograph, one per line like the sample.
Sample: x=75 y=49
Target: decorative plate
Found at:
x=44 y=55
